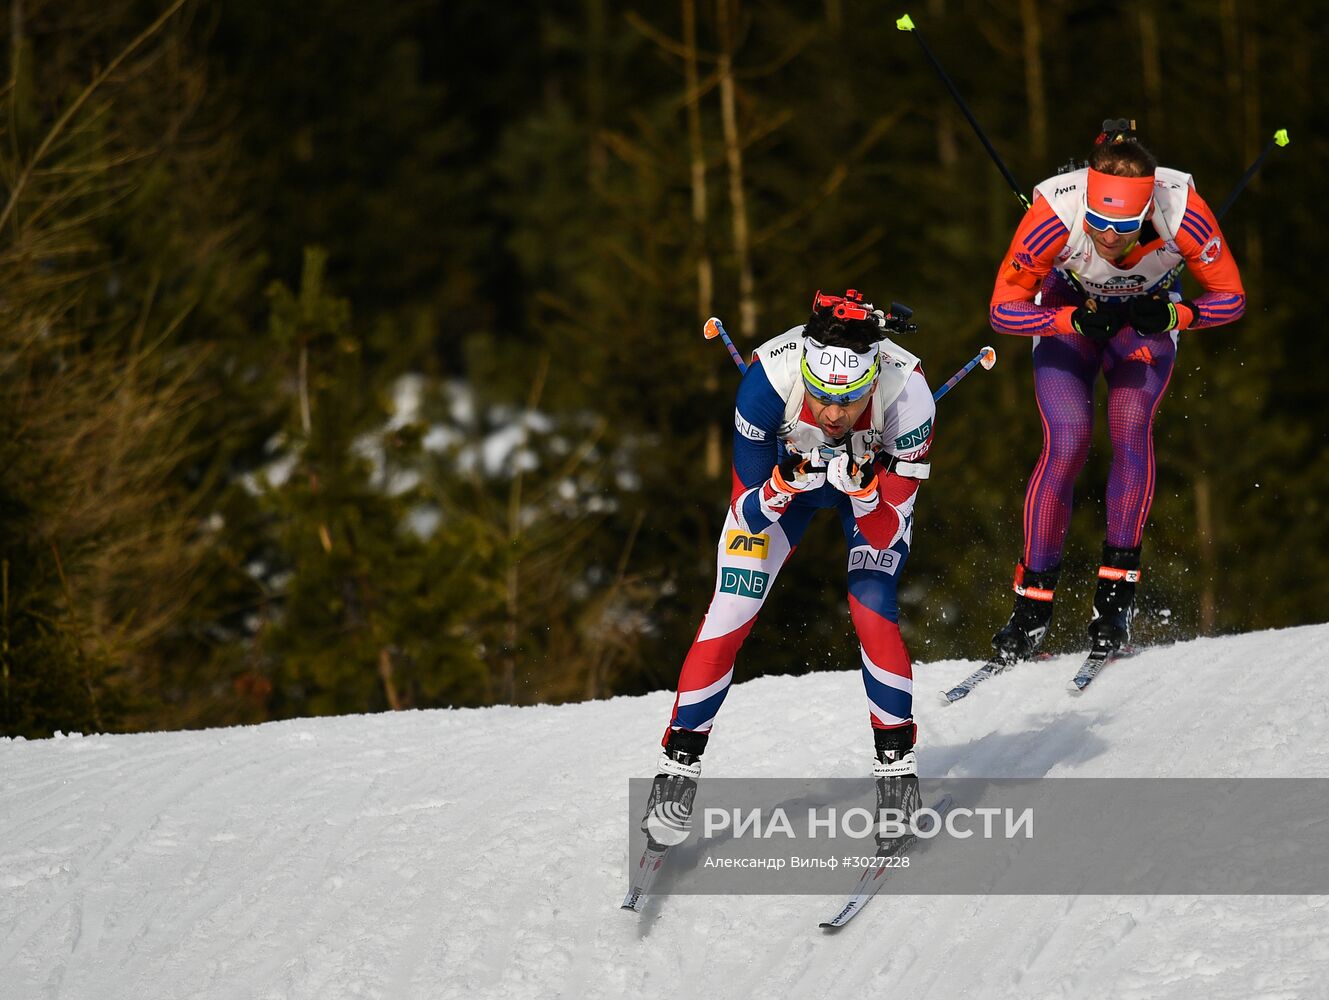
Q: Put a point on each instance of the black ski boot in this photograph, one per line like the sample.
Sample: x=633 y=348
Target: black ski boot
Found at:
x=1020 y=637
x=896 y=771
x=1114 y=601
x=669 y=810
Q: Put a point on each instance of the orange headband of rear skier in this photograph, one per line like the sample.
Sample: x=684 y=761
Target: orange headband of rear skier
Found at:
x=1122 y=197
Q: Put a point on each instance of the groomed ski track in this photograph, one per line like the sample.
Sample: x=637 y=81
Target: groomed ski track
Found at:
x=481 y=853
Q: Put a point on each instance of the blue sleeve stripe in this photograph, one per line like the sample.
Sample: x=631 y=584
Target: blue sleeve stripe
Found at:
x=1017 y=315
x=1197 y=220
x=1019 y=320
x=1194 y=233
x=1051 y=238
x=1041 y=230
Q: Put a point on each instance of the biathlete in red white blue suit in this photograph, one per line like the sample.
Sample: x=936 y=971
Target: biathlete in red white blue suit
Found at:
x=1093 y=276
x=829 y=416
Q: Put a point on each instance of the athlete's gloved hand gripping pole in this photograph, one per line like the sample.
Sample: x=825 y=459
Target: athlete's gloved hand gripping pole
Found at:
x=852 y=475
x=796 y=474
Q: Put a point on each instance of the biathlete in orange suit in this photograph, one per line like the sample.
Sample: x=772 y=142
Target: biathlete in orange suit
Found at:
x=1093 y=276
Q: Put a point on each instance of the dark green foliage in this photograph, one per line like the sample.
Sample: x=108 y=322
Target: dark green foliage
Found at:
x=461 y=452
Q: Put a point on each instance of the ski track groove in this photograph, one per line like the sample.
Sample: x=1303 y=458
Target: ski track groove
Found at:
x=377 y=857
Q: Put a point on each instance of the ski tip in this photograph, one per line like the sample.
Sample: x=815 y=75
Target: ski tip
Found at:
x=1073 y=688
x=945 y=697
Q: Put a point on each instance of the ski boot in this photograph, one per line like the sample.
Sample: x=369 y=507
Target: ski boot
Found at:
x=668 y=815
x=1114 y=601
x=896 y=771
x=1020 y=637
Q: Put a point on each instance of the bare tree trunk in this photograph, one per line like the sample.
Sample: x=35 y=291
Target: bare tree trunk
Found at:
x=1152 y=67
x=705 y=273
x=16 y=23
x=1204 y=528
x=705 y=277
x=1254 y=140
x=596 y=32
x=512 y=578
x=4 y=638
x=1033 y=80
x=834 y=15
x=306 y=417
x=511 y=604
x=1227 y=20
x=948 y=153
x=601 y=657
x=389 y=682
x=747 y=300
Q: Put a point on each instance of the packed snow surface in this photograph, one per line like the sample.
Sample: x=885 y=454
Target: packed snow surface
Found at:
x=482 y=853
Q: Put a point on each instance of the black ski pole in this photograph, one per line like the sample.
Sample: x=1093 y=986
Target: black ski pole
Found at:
x=1280 y=139
x=906 y=23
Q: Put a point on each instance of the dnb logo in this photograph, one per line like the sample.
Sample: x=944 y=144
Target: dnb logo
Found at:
x=744 y=582
x=876 y=560
x=740 y=543
x=915 y=438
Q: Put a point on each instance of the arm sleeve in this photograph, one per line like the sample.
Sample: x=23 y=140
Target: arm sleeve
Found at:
x=908 y=435
x=758 y=413
x=1032 y=253
x=1209 y=260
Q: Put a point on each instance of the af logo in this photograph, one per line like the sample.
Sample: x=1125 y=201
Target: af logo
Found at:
x=740 y=543
x=1212 y=250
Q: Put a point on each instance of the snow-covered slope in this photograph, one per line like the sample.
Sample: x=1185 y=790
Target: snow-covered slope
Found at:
x=381 y=856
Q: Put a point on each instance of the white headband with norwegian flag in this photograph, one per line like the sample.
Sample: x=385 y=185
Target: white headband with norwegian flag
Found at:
x=839 y=372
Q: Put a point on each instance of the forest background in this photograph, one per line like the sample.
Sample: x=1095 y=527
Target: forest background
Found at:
x=351 y=355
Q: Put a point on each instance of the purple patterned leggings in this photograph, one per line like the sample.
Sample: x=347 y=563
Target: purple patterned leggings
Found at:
x=1138 y=370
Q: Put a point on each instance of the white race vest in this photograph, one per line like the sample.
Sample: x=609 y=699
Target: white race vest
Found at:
x=1101 y=278
x=781 y=358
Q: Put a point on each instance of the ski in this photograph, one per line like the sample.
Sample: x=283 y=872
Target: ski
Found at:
x=874 y=875
x=1098 y=658
x=990 y=669
x=644 y=877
